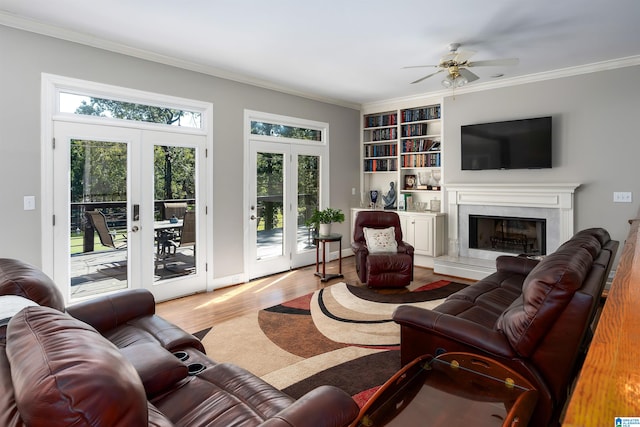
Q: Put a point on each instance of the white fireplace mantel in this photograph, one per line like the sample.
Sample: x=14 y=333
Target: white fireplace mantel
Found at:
x=550 y=197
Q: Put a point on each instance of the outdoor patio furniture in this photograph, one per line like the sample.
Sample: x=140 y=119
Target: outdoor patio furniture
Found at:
x=106 y=235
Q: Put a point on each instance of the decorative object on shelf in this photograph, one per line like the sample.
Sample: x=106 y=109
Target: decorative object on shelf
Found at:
x=373 y=196
x=435 y=205
x=437 y=175
x=408 y=202
x=422 y=181
x=401 y=205
x=409 y=182
x=323 y=219
x=390 y=197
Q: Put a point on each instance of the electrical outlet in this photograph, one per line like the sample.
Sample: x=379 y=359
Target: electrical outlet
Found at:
x=622 y=196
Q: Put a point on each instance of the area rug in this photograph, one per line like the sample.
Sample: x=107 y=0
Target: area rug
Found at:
x=341 y=335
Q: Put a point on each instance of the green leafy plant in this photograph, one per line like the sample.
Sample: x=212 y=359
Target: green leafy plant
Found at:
x=325 y=216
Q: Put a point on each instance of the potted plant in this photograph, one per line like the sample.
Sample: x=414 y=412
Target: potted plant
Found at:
x=323 y=219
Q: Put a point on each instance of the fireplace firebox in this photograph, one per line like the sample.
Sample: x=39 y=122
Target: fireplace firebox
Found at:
x=508 y=234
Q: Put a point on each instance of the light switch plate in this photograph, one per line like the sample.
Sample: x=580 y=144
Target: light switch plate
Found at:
x=622 y=196
x=29 y=203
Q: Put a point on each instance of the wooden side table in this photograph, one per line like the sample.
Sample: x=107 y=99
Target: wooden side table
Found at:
x=322 y=240
x=453 y=389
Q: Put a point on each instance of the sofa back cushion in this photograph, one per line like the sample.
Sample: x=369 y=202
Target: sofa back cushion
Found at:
x=25 y=280
x=545 y=294
x=376 y=219
x=65 y=373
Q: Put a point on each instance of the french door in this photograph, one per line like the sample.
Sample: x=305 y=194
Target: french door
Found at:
x=128 y=210
x=286 y=186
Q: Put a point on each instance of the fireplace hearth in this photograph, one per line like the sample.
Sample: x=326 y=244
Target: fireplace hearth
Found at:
x=508 y=234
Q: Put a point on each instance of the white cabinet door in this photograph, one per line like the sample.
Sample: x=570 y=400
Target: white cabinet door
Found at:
x=422 y=234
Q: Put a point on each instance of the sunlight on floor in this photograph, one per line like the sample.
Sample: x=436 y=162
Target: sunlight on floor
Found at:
x=255 y=286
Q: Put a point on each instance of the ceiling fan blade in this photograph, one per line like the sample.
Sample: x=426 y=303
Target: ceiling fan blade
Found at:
x=494 y=62
x=464 y=55
x=468 y=75
x=427 y=76
x=420 y=66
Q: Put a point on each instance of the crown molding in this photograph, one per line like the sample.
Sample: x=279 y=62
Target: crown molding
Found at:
x=13 y=21
x=33 y=26
x=630 y=61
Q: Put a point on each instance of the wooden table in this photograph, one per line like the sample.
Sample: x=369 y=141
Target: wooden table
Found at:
x=165 y=231
x=322 y=240
x=609 y=383
x=453 y=389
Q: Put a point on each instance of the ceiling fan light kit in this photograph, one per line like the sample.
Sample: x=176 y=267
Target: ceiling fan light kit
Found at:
x=456 y=64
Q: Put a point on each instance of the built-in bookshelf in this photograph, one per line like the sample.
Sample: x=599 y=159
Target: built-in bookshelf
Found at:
x=380 y=142
x=404 y=146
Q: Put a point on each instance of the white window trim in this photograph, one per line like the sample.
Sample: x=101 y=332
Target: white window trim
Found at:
x=251 y=115
x=52 y=85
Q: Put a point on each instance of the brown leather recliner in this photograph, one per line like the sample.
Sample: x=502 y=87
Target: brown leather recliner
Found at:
x=381 y=269
x=533 y=317
x=112 y=361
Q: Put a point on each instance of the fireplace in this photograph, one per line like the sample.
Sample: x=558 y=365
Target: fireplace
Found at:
x=551 y=203
x=508 y=234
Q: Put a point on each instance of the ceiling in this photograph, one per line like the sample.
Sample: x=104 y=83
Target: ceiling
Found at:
x=351 y=52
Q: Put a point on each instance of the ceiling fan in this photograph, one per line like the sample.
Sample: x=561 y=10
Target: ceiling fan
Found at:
x=456 y=63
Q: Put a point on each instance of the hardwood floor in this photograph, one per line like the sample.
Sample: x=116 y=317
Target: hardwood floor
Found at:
x=196 y=312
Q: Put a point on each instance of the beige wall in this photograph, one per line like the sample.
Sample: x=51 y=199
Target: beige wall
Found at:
x=595 y=139
x=594 y=119
x=24 y=56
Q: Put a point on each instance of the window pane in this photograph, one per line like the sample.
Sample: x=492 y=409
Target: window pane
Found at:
x=100 y=107
x=272 y=129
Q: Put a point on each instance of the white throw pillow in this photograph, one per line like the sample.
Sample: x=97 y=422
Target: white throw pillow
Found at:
x=380 y=240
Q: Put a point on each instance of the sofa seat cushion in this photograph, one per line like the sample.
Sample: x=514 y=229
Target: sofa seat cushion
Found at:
x=223 y=394
x=151 y=329
x=469 y=311
x=495 y=292
x=52 y=356
x=389 y=270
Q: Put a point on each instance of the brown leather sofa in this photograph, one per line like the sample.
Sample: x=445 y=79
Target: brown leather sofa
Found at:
x=532 y=316
x=113 y=362
x=380 y=270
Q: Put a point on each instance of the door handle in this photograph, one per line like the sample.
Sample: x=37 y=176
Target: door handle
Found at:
x=252 y=217
x=135 y=228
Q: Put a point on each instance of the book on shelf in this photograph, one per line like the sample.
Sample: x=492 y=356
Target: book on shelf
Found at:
x=423 y=113
x=417 y=145
x=378 y=120
x=384 y=134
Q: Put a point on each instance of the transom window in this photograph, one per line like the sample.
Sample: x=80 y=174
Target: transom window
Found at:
x=284 y=131
x=123 y=110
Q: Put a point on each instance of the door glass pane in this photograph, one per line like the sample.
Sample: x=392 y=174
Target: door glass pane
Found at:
x=174 y=243
x=98 y=234
x=308 y=198
x=270 y=213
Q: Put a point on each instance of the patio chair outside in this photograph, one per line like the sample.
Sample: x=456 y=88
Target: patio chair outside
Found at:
x=176 y=209
x=107 y=236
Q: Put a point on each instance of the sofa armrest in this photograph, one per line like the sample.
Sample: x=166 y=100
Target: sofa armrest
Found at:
x=110 y=311
x=359 y=247
x=461 y=331
x=404 y=247
x=325 y=406
x=516 y=264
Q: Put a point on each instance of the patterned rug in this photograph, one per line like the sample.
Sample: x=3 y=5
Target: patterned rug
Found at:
x=341 y=335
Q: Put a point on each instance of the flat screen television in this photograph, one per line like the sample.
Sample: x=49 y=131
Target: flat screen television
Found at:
x=515 y=144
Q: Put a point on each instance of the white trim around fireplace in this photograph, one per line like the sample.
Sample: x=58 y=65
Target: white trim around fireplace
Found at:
x=549 y=197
